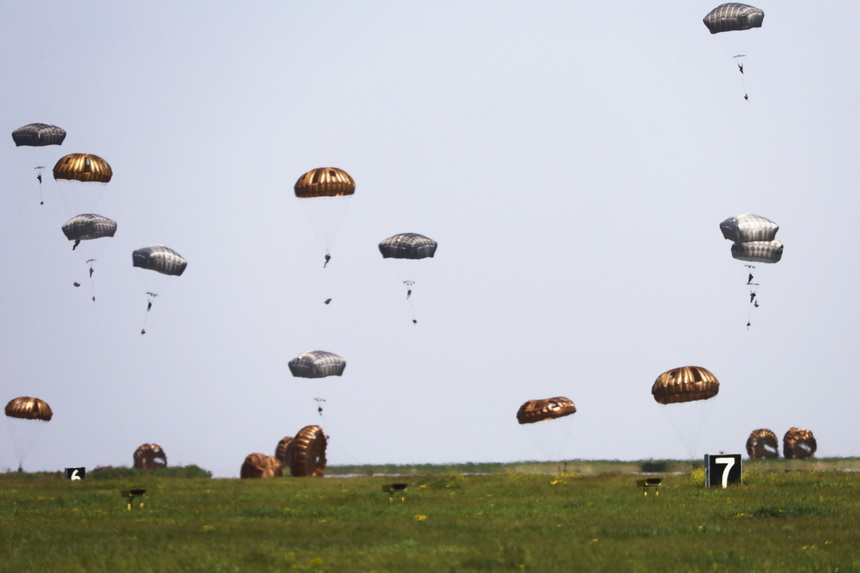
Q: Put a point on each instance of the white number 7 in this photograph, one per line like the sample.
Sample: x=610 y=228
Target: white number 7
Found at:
x=729 y=463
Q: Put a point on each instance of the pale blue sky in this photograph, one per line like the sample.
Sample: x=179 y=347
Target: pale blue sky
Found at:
x=573 y=165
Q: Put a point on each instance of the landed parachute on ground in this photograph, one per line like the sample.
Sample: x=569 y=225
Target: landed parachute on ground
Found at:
x=798 y=443
x=317 y=364
x=38 y=135
x=762 y=443
x=306 y=452
x=685 y=384
x=260 y=466
x=548 y=409
x=149 y=457
x=281 y=450
x=733 y=16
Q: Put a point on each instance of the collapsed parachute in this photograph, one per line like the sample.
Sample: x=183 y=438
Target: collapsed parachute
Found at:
x=306 y=452
x=317 y=364
x=548 y=409
x=733 y=17
x=798 y=443
x=685 y=384
x=149 y=457
x=762 y=443
x=28 y=408
x=260 y=466
x=281 y=450
x=27 y=418
x=38 y=135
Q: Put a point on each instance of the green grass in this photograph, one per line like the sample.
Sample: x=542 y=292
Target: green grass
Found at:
x=503 y=521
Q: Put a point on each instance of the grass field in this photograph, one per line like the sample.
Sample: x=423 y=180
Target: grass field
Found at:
x=786 y=517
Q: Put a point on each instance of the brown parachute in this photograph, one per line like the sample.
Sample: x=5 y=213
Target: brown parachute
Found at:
x=83 y=167
x=28 y=408
x=762 y=443
x=261 y=466
x=149 y=457
x=798 y=443
x=306 y=452
x=324 y=182
x=548 y=409
x=685 y=384
x=281 y=450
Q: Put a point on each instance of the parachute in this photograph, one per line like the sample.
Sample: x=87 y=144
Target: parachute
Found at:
x=281 y=450
x=261 y=466
x=408 y=247
x=762 y=443
x=754 y=241
x=798 y=443
x=548 y=409
x=87 y=227
x=26 y=418
x=317 y=364
x=323 y=193
x=306 y=452
x=83 y=167
x=163 y=261
x=38 y=135
x=149 y=457
x=733 y=17
x=687 y=391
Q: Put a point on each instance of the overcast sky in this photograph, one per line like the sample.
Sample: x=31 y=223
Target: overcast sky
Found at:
x=573 y=164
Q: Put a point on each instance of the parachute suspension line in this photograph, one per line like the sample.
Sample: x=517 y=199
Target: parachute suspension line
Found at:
x=151 y=297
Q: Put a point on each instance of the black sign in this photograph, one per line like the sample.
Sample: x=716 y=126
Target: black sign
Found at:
x=722 y=469
x=76 y=473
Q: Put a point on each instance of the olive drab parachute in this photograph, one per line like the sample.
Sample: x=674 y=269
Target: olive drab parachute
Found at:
x=733 y=17
x=686 y=392
x=26 y=418
x=685 y=384
x=762 y=443
x=753 y=241
x=149 y=457
x=798 y=443
x=87 y=227
x=548 y=409
x=306 y=452
x=261 y=466
x=162 y=260
x=317 y=364
x=407 y=248
x=323 y=193
x=28 y=408
x=38 y=135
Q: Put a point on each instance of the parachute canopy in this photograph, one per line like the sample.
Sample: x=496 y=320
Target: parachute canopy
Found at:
x=733 y=16
x=407 y=246
x=754 y=238
x=83 y=167
x=324 y=182
x=28 y=408
x=306 y=452
x=281 y=450
x=261 y=466
x=160 y=259
x=88 y=226
x=39 y=135
x=548 y=409
x=149 y=456
x=317 y=364
x=685 y=384
x=798 y=443
x=762 y=443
